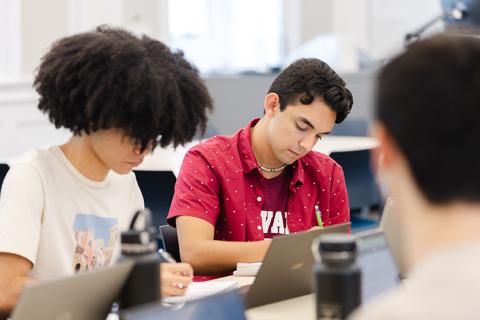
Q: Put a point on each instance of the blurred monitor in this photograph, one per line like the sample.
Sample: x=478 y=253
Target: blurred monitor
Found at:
x=379 y=271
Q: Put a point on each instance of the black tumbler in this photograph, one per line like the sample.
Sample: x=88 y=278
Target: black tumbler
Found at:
x=143 y=283
x=337 y=277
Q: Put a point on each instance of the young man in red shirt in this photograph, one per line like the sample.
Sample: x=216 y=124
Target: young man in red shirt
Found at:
x=233 y=192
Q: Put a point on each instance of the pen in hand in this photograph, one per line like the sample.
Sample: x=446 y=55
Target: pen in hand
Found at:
x=165 y=255
x=168 y=258
x=319 y=216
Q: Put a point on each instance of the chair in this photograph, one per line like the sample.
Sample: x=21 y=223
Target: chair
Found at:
x=169 y=238
x=361 y=185
x=363 y=192
x=157 y=189
x=3 y=172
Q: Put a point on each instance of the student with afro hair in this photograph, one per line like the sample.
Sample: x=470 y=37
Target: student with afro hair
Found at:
x=62 y=208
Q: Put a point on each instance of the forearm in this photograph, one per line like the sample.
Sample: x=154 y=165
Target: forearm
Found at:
x=213 y=257
x=10 y=290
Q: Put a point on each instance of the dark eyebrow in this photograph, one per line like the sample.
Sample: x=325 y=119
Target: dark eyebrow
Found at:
x=308 y=123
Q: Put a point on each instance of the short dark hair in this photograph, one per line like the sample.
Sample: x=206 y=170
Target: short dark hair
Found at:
x=428 y=99
x=110 y=78
x=310 y=78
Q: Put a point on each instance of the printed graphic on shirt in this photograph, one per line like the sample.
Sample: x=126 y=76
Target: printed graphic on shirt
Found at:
x=95 y=241
x=274 y=223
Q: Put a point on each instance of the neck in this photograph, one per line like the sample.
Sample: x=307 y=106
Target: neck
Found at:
x=261 y=146
x=78 y=150
x=440 y=226
x=427 y=227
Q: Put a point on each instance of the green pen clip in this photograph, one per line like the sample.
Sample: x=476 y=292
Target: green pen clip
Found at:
x=319 y=217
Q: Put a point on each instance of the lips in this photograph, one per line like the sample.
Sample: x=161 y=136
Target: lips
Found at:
x=134 y=163
x=296 y=154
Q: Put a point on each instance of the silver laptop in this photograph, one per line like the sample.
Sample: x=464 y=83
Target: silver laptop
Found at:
x=82 y=296
x=286 y=271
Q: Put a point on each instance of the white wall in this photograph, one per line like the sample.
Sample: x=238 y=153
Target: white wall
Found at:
x=42 y=22
x=378 y=27
x=10 y=39
x=375 y=26
x=22 y=125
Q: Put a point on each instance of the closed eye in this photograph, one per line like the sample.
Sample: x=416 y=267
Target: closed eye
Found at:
x=301 y=128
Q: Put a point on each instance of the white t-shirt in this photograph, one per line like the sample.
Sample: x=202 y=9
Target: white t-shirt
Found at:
x=446 y=285
x=60 y=220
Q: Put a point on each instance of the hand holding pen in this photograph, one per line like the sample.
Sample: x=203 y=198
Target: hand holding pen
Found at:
x=175 y=277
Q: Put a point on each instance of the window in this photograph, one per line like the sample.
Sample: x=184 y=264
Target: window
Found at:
x=228 y=36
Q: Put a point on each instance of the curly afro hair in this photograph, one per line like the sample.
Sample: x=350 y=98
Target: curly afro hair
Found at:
x=110 y=78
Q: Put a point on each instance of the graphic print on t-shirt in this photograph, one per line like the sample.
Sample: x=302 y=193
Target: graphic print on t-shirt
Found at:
x=274 y=223
x=274 y=209
x=95 y=241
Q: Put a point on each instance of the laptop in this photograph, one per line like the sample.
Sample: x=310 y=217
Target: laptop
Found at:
x=82 y=296
x=226 y=305
x=286 y=271
x=379 y=270
x=390 y=223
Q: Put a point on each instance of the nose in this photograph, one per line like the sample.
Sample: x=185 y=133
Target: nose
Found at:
x=308 y=142
x=138 y=151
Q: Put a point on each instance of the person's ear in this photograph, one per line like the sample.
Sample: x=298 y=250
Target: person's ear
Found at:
x=387 y=152
x=271 y=104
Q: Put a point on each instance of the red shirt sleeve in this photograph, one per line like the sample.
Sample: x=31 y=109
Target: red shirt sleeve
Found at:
x=339 y=210
x=196 y=190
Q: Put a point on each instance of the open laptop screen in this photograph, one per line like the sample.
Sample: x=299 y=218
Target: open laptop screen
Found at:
x=379 y=272
x=87 y=295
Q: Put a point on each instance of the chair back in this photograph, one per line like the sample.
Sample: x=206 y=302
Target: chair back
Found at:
x=157 y=189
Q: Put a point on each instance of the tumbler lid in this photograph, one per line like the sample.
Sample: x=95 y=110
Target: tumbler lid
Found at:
x=136 y=237
x=335 y=248
x=337 y=242
x=139 y=241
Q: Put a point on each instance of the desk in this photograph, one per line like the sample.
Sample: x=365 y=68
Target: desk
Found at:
x=170 y=159
x=296 y=308
x=330 y=144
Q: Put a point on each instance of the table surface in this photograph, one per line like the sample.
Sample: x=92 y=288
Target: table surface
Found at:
x=329 y=144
